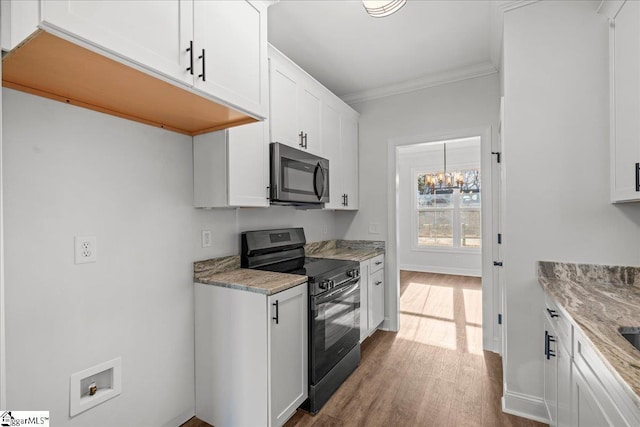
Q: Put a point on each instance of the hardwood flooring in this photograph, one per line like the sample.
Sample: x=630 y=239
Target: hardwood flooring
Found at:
x=433 y=372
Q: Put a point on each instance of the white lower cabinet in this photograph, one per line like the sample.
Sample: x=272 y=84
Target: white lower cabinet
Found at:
x=364 y=300
x=579 y=390
x=251 y=355
x=372 y=292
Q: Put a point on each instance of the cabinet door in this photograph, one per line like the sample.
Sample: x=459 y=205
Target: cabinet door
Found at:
x=288 y=350
x=331 y=144
x=364 y=300
x=376 y=299
x=349 y=148
x=564 y=385
x=585 y=409
x=248 y=165
x=152 y=33
x=309 y=120
x=625 y=111
x=550 y=372
x=283 y=113
x=232 y=37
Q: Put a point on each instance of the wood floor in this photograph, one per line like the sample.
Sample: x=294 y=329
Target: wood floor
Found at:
x=432 y=372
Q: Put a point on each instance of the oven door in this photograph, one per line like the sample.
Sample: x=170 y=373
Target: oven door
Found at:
x=335 y=327
x=297 y=176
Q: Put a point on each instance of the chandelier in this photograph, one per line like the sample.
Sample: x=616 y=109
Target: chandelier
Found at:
x=444 y=182
x=382 y=8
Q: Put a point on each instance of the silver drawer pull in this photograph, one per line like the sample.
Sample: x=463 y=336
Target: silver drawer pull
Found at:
x=378 y=262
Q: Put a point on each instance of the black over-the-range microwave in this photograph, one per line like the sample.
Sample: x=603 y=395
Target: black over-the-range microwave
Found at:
x=298 y=178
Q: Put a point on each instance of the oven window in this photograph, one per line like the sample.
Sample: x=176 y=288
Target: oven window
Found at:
x=297 y=177
x=340 y=318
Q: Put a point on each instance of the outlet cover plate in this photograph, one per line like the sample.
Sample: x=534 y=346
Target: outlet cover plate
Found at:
x=206 y=238
x=86 y=249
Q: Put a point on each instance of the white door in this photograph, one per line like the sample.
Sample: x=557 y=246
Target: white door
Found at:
x=231 y=51
x=283 y=98
x=331 y=144
x=349 y=143
x=586 y=412
x=248 y=165
x=364 y=300
x=376 y=299
x=625 y=114
x=550 y=372
x=287 y=353
x=310 y=107
x=152 y=33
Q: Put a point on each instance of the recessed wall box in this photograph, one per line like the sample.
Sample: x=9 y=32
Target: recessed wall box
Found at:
x=95 y=385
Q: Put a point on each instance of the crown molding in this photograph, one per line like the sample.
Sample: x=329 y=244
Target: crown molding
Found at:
x=506 y=6
x=460 y=74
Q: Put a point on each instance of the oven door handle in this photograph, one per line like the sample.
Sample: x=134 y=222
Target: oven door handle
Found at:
x=346 y=291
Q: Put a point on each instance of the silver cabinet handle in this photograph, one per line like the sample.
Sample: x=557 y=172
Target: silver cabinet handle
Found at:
x=378 y=262
x=379 y=282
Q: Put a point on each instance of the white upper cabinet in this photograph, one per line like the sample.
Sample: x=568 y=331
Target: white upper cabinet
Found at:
x=217 y=47
x=331 y=143
x=230 y=44
x=349 y=156
x=231 y=167
x=340 y=143
x=625 y=104
x=296 y=105
x=155 y=34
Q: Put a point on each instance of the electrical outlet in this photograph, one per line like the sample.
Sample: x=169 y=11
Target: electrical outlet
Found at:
x=325 y=229
x=86 y=249
x=374 y=228
x=206 y=238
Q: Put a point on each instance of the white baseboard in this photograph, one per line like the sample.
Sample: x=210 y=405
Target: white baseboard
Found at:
x=523 y=405
x=442 y=270
x=181 y=419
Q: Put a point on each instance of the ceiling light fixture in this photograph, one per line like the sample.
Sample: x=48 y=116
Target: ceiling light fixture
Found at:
x=382 y=8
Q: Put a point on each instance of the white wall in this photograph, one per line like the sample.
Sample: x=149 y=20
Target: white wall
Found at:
x=69 y=171
x=468 y=104
x=463 y=154
x=556 y=158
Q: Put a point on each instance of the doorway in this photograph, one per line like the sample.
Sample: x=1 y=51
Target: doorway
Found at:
x=431 y=229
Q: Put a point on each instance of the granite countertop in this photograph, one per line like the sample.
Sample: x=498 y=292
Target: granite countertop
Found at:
x=263 y=282
x=600 y=299
x=226 y=271
x=350 y=250
x=349 y=254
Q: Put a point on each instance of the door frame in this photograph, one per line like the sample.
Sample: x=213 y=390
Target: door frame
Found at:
x=491 y=333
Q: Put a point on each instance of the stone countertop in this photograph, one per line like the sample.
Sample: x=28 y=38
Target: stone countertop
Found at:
x=349 y=254
x=600 y=299
x=262 y=282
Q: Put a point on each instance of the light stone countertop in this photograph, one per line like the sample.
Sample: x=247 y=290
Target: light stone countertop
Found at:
x=262 y=282
x=600 y=299
x=349 y=254
x=226 y=271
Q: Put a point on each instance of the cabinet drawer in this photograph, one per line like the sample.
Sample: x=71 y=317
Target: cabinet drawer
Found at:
x=376 y=264
x=560 y=321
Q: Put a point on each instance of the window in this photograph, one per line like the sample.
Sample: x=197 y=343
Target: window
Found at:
x=448 y=208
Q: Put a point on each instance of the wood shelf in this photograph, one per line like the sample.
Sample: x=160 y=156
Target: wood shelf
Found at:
x=49 y=66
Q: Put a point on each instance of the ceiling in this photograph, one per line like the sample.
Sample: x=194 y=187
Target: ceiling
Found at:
x=359 y=57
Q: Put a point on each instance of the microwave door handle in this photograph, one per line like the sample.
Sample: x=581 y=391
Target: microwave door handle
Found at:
x=319 y=189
